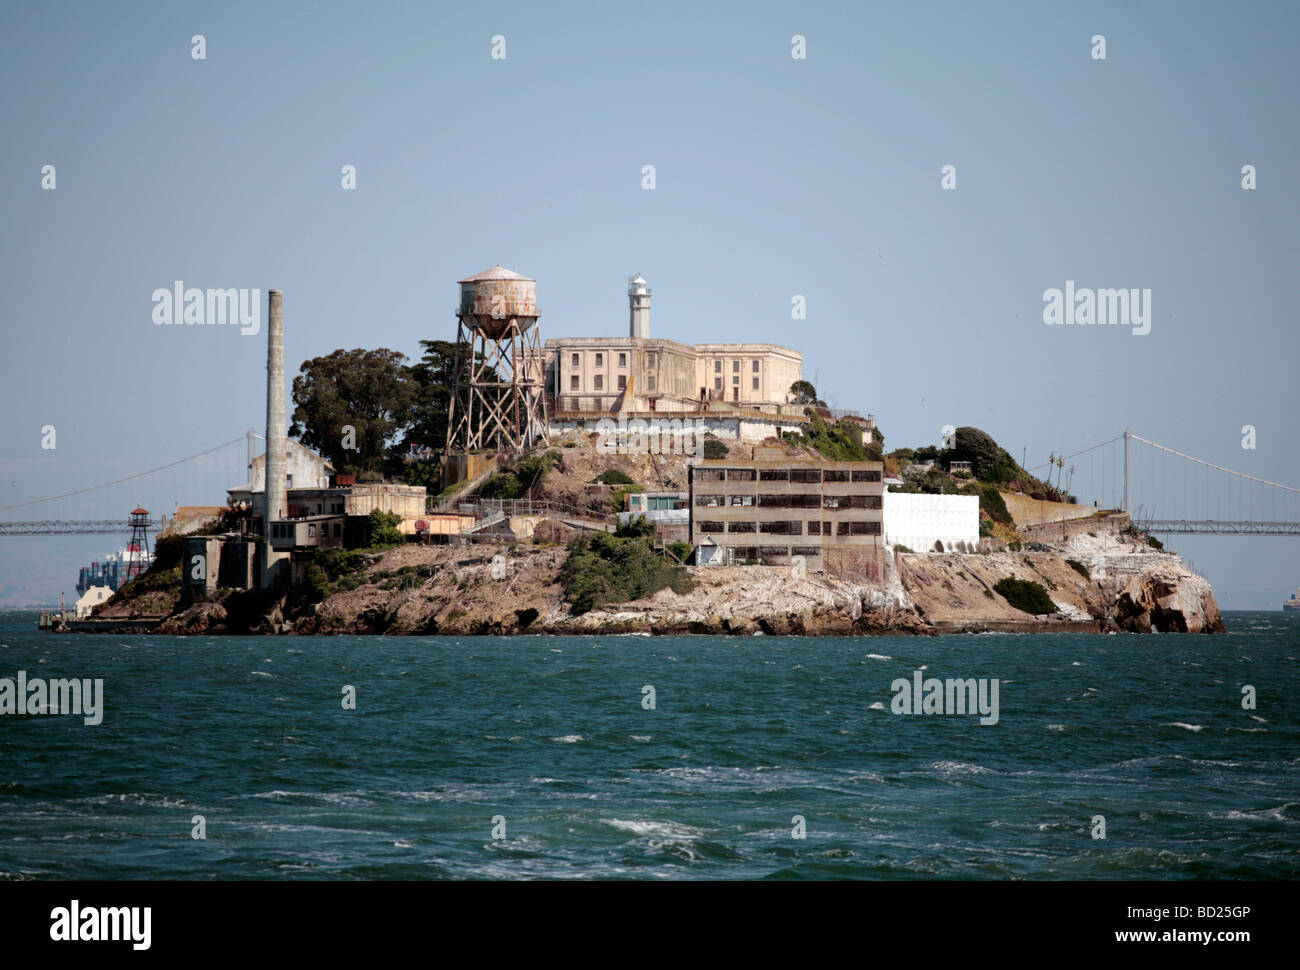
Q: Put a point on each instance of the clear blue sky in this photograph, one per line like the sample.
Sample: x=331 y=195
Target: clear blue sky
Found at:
x=775 y=177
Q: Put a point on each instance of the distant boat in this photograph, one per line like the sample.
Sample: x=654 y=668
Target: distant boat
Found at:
x=1293 y=603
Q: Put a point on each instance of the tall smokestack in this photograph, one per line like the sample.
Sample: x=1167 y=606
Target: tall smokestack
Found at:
x=276 y=499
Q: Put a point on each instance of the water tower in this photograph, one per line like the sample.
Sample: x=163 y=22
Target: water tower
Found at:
x=498 y=402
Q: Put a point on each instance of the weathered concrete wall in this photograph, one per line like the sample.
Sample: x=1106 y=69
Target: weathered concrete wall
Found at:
x=1030 y=511
x=1065 y=530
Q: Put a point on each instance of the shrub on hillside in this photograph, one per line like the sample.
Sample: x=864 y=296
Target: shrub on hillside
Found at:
x=503 y=485
x=612 y=476
x=1079 y=568
x=606 y=568
x=714 y=449
x=1025 y=595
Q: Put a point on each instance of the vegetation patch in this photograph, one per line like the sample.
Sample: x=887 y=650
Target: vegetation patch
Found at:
x=612 y=476
x=715 y=448
x=1025 y=595
x=606 y=568
x=1079 y=568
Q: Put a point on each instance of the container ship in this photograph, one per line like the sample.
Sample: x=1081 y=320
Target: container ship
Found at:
x=125 y=564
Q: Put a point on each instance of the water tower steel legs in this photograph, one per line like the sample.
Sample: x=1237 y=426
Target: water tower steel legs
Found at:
x=498 y=400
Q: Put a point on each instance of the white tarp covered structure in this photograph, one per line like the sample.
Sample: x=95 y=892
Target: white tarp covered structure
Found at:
x=918 y=521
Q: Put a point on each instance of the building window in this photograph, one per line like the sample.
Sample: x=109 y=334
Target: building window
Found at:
x=573 y=382
x=735 y=380
x=740 y=474
x=311 y=530
x=599 y=384
x=600 y=360
x=622 y=360
x=650 y=383
x=740 y=500
x=735 y=367
x=755 y=363
x=338 y=530
x=835 y=475
x=717 y=367
x=782 y=528
x=575 y=360
x=756 y=383
x=710 y=526
x=814 y=528
x=717 y=383
x=649 y=360
x=740 y=526
x=622 y=382
x=866 y=476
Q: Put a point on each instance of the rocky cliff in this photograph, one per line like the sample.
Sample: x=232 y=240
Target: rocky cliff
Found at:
x=1099 y=583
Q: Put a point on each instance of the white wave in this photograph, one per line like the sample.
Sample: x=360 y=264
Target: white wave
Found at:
x=660 y=830
x=878 y=656
x=877 y=706
x=640 y=737
x=1256 y=717
x=1187 y=727
x=399 y=844
x=960 y=767
x=260 y=673
x=569 y=739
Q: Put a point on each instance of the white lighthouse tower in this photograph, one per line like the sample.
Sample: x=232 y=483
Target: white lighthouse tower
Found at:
x=638 y=300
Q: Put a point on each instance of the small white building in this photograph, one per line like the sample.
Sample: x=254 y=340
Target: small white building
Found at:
x=91 y=598
x=919 y=521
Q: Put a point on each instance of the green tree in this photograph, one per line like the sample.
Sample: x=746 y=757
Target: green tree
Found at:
x=369 y=390
x=803 y=392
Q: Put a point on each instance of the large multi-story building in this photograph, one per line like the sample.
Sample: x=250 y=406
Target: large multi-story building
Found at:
x=777 y=508
x=638 y=373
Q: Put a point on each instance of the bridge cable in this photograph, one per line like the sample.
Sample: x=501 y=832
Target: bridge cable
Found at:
x=125 y=478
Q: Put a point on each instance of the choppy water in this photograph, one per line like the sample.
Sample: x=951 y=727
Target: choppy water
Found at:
x=551 y=734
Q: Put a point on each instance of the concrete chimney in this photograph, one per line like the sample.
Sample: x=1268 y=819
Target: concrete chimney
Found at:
x=276 y=497
x=638 y=299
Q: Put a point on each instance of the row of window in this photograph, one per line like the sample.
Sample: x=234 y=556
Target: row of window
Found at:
x=735 y=367
x=803 y=501
x=285 y=530
x=576 y=359
x=814 y=475
x=717 y=383
x=793 y=528
x=598 y=383
x=774 y=552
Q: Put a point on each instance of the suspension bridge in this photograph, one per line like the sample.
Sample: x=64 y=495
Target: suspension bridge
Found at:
x=201 y=478
x=1168 y=491
x=1164 y=491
